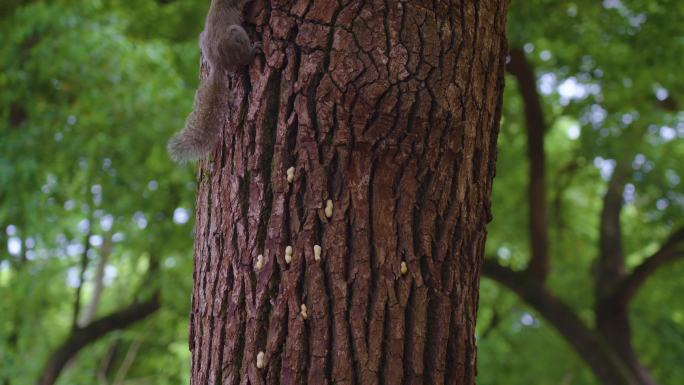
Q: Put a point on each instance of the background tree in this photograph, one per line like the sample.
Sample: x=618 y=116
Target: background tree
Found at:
x=603 y=131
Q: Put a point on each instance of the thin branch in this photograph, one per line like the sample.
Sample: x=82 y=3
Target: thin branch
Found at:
x=81 y=337
x=611 y=265
x=106 y=367
x=128 y=360
x=562 y=181
x=670 y=251
x=91 y=308
x=521 y=68
x=607 y=368
x=611 y=314
x=567 y=378
x=669 y=104
x=81 y=278
x=493 y=324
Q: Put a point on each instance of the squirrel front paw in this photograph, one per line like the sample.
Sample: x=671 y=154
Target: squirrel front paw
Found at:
x=257 y=48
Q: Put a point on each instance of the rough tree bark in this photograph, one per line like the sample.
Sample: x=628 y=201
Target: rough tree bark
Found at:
x=390 y=110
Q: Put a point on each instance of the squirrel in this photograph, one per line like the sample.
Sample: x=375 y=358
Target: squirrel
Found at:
x=226 y=47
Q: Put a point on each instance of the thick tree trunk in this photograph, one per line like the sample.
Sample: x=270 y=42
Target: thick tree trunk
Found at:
x=390 y=110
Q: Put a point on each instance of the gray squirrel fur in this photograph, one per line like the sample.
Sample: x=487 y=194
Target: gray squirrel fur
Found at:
x=226 y=46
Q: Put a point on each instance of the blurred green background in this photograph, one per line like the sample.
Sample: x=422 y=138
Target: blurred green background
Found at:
x=90 y=91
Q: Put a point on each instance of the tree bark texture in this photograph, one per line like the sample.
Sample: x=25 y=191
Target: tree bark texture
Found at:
x=389 y=109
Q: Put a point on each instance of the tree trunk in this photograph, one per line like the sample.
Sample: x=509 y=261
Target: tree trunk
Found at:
x=390 y=110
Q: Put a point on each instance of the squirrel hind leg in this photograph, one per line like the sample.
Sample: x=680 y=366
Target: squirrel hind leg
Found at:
x=236 y=48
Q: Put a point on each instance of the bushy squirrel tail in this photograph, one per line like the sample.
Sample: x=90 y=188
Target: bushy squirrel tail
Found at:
x=203 y=126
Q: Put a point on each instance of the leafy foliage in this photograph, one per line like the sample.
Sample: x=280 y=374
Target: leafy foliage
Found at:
x=89 y=92
x=609 y=76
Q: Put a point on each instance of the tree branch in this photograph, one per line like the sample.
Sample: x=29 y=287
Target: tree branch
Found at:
x=611 y=267
x=611 y=313
x=668 y=104
x=493 y=324
x=607 y=368
x=91 y=308
x=670 y=251
x=81 y=277
x=107 y=364
x=81 y=337
x=128 y=360
x=522 y=70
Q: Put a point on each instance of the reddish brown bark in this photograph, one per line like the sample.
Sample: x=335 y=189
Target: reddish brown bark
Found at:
x=391 y=110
